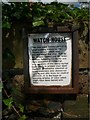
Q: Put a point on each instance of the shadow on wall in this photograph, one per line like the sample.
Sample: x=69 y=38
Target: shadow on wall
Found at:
x=8 y=58
x=12 y=47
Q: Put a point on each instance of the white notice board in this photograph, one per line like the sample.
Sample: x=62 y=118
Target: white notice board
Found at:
x=50 y=59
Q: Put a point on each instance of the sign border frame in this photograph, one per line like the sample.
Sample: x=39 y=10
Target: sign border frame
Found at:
x=28 y=88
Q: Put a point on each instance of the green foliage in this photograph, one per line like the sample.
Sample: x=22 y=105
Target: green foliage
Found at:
x=14 y=12
x=6 y=24
x=8 y=102
x=40 y=14
x=21 y=108
x=23 y=117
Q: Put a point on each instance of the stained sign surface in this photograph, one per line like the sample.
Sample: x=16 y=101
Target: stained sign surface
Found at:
x=50 y=59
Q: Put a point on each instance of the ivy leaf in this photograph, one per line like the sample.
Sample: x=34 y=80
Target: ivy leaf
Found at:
x=8 y=102
x=21 y=108
x=6 y=24
x=38 y=23
x=23 y=117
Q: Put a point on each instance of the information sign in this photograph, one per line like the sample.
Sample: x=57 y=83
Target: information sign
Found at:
x=50 y=59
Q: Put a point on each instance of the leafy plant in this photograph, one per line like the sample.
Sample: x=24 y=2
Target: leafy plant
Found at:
x=8 y=102
x=23 y=117
x=20 y=110
x=41 y=14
